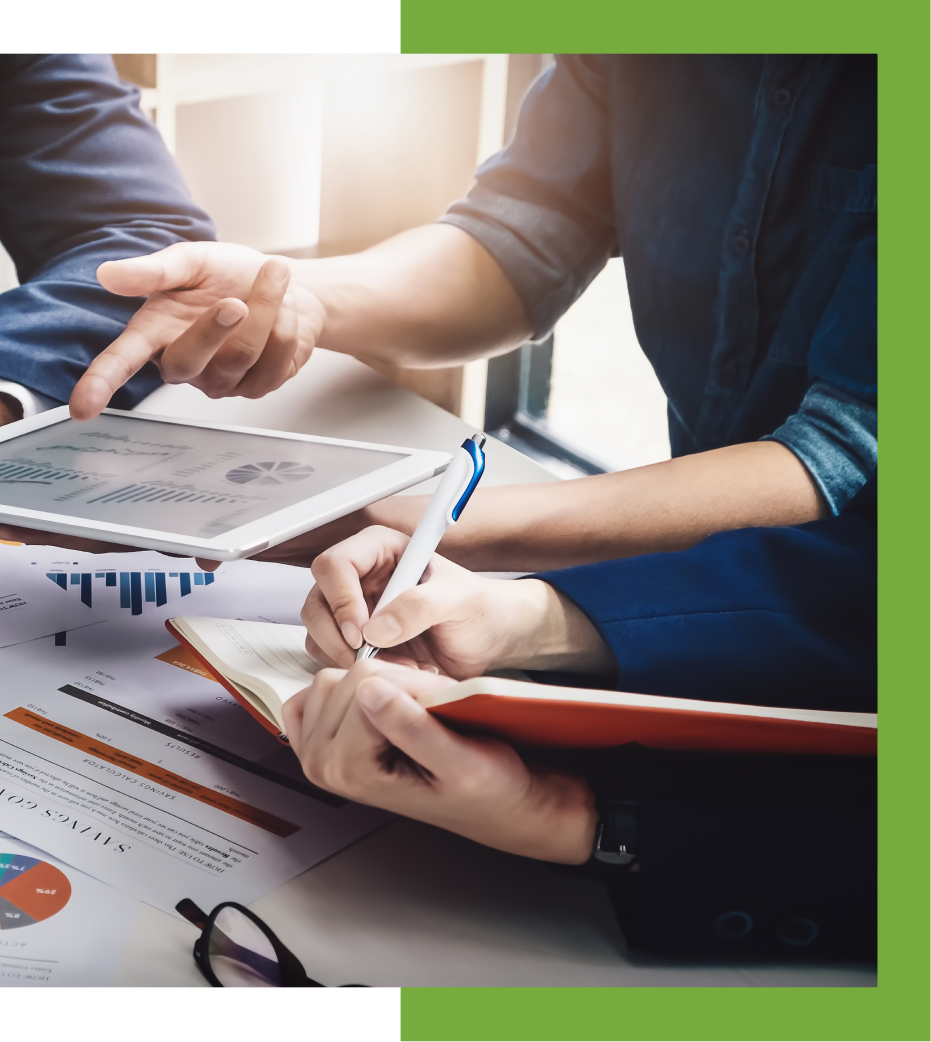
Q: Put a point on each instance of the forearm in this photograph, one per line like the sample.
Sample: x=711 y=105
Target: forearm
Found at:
x=663 y=507
x=429 y=297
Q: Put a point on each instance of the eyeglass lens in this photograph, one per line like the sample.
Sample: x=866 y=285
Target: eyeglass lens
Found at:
x=240 y=955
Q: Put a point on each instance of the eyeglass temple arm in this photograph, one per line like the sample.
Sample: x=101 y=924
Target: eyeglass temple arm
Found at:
x=192 y=913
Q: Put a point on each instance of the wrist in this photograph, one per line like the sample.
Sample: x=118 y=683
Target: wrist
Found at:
x=401 y=513
x=562 y=819
x=549 y=632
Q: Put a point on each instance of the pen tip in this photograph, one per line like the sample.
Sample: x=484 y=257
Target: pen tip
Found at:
x=479 y=440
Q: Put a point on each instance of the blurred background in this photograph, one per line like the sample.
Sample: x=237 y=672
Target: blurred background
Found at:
x=313 y=156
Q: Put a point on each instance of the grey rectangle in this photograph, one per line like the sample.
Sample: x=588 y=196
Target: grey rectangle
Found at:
x=196 y=481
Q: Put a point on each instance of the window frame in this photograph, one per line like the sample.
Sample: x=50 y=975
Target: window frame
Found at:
x=516 y=400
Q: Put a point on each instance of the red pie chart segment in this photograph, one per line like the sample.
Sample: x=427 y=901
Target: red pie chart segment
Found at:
x=39 y=892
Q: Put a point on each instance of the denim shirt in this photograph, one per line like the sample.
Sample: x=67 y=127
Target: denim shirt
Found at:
x=84 y=178
x=741 y=192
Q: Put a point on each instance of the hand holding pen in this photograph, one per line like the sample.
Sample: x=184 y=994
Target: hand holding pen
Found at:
x=452 y=494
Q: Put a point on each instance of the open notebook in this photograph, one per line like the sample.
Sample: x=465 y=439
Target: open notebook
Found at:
x=263 y=664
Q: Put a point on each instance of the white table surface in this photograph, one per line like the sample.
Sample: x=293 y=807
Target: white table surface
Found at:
x=411 y=904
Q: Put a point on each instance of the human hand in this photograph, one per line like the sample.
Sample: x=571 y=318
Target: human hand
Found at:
x=363 y=735
x=11 y=410
x=219 y=316
x=15 y=534
x=456 y=621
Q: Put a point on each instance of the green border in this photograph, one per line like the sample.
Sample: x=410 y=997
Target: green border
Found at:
x=898 y=31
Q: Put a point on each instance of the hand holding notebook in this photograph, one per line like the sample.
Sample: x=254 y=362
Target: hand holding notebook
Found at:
x=263 y=665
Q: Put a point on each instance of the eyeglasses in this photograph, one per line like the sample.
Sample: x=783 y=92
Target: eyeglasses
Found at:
x=237 y=950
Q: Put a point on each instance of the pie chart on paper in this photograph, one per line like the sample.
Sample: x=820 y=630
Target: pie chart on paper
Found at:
x=30 y=891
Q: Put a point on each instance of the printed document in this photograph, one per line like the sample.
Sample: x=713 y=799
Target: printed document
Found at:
x=119 y=755
x=58 y=927
x=28 y=608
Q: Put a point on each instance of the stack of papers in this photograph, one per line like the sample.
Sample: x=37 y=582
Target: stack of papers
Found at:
x=123 y=758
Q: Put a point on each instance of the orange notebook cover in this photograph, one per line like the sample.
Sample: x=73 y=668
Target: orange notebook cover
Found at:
x=537 y=714
x=216 y=675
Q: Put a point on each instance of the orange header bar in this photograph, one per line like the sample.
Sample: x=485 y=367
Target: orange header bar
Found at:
x=152 y=772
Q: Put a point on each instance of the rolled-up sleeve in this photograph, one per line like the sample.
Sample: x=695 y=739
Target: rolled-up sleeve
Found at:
x=543 y=206
x=84 y=178
x=834 y=431
x=834 y=435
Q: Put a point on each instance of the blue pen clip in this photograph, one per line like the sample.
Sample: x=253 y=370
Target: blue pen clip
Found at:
x=475 y=448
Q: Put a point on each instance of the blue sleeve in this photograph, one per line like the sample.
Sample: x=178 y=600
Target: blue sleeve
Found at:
x=766 y=616
x=84 y=178
x=543 y=207
x=834 y=431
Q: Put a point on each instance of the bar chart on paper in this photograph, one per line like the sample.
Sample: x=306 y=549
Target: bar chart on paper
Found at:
x=142 y=589
x=135 y=588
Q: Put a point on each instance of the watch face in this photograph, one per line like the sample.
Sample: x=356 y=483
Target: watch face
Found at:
x=616 y=840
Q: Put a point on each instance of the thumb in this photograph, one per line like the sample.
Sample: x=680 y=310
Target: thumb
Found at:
x=176 y=266
x=415 y=611
x=408 y=726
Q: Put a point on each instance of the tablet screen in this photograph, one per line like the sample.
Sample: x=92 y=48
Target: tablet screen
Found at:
x=191 y=481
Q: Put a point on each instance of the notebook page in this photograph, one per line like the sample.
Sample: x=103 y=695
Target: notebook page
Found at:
x=265 y=651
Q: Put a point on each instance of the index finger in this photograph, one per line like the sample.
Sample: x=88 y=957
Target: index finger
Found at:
x=238 y=353
x=340 y=570
x=140 y=343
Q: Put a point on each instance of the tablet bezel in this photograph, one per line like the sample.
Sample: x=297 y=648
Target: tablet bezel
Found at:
x=249 y=539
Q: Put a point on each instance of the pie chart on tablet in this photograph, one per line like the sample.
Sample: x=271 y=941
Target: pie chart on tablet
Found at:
x=282 y=472
x=30 y=891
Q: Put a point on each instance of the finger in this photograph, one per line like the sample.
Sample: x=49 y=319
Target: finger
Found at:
x=415 y=611
x=175 y=267
x=276 y=363
x=323 y=632
x=242 y=350
x=207 y=566
x=186 y=358
x=339 y=698
x=301 y=711
x=339 y=572
x=139 y=344
x=406 y=724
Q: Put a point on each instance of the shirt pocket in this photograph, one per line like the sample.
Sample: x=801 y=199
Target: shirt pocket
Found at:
x=843 y=212
x=838 y=190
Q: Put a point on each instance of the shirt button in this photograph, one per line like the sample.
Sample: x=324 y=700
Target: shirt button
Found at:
x=741 y=243
x=797 y=932
x=782 y=98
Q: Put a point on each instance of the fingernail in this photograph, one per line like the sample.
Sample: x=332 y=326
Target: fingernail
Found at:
x=426 y=667
x=277 y=270
x=351 y=634
x=228 y=315
x=375 y=693
x=382 y=630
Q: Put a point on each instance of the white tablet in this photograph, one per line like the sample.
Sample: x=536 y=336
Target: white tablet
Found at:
x=202 y=489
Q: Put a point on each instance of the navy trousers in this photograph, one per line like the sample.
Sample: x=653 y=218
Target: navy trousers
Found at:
x=766 y=616
x=743 y=856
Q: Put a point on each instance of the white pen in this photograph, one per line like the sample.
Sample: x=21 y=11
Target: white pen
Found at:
x=453 y=492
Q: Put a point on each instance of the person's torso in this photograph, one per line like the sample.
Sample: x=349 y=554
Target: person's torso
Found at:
x=741 y=187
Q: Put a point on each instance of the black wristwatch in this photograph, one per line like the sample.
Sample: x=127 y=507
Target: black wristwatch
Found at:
x=618 y=833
